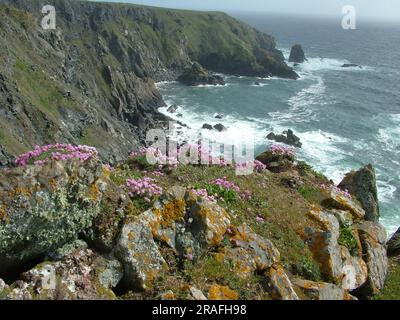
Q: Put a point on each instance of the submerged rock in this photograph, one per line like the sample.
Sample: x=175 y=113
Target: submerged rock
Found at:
x=219 y=127
x=207 y=126
x=362 y=185
x=196 y=75
x=297 y=54
x=173 y=108
x=287 y=137
x=351 y=65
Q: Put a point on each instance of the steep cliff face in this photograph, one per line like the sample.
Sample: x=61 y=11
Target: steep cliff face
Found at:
x=92 y=79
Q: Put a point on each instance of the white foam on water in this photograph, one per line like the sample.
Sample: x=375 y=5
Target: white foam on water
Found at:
x=322 y=64
x=322 y=150
x=301 y=104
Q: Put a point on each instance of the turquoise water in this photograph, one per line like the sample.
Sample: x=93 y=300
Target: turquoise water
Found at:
x=346 y=118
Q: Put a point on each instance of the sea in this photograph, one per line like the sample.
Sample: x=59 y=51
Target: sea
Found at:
x=345 y=117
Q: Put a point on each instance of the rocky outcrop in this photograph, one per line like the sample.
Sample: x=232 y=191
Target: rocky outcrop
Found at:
x=373 y=238
x=139 y=254
x=321 y=290
x=276 y=162
x=288 y=137
x=297 y=54
x=362 y=185
x=45 y=207
x=280 y=285
x=196 y=75
x=82 y=275
x=393 y=245
x=220 y=127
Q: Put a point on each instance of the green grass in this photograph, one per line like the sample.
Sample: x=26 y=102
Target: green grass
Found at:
x=391 y=290
x=347 y=239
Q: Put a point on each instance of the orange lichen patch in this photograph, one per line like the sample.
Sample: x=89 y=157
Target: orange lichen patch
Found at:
x=94 y=192
x=216 y=221
x=3 y=212
x=220 y=257
x=168 y=296
x=218 y=292
x=20 y=191
x=53 y=185
x=173 y=211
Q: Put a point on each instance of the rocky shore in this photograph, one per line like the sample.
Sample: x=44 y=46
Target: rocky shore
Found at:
x=92 y=80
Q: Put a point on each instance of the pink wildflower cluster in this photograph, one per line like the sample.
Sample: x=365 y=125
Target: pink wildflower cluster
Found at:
x=258 y=166
x=144 y=188
x=43 y=154
x=282 y=150
x=344 y=193
x=226 y=184
x=202 y=193
x=162 y=160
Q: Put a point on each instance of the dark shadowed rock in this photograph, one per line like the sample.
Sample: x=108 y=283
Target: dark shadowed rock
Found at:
x=351 y=65
x=172 y=109
x=83 y=274
x=207 y=126
x=393 y=245
x=288 y=137
x=297 y=54
x=220 y=127
x=196 y=75
x=362 y=185
x=219 y=116
x=257 y=83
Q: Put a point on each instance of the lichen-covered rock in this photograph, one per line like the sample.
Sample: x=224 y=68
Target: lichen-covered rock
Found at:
x=261 y=250
x=375 y=256
x=45 y=207
x=66 y=250
x=324 y=245
x=362 y=185
x=81 y=275
x=337 y=200
x=139 y=254
x=280 y=286
x=320 y=290
x=168 y=295
x=218 y=292
x=197 y=294
x=393 y=245
x=106 y=226
x=355 y=271
x=210 y=222
x=242 y=261
x=373 y=230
